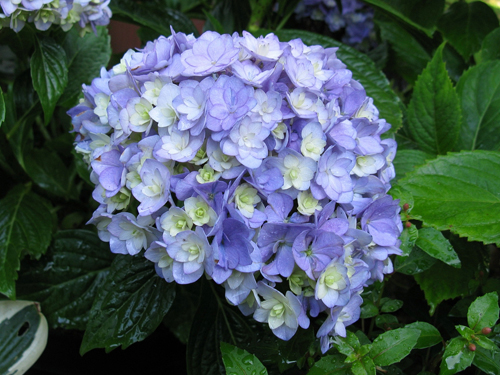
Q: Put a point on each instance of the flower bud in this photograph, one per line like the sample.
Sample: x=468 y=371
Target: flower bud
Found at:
x=472 y=347
x=486 y=331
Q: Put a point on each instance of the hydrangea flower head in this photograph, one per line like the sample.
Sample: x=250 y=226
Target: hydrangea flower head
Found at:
x=85 y=14
x=255 y=163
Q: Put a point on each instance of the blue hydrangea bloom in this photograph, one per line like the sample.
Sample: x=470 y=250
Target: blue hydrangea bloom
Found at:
x=254 y=163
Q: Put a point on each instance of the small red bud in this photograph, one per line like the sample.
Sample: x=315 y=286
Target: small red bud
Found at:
x=406 y=206
x=486 y=331
x=472 y=347
x=408 y=224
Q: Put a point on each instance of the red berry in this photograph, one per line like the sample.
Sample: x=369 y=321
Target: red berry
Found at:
x=408 y=224
x=406 y=206
x=486 y=331
x=472 y=347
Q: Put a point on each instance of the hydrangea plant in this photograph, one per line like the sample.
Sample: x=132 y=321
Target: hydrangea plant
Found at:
x=87 y=14
x=252 y=162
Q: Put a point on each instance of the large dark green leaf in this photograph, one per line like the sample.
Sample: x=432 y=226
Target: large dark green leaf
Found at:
x=422 y=15
x=154 y=15
x=459 y=282
x=392 y=346
x=66 y=279
x=49 y=72
x=363 y=70
x=465 y=25
x=489 y=48
x=214 y=322
x=239 y=362
x=25 y=225
x=407 y=160
x=230 y=15
x=459 y=192
x=86 y=55
x=411 y=56
x=483 y=312
x=48 y=171
x=479 y=94
x=456 y=357
x=131 y=302
x=434 y=113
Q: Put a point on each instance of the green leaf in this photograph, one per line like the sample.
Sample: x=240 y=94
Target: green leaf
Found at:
x=407 y=160
x=483 y=312
x=214 y=322
x=424 y=13
x=392 y=346
x=437 y=246
x=48 y=171
x=231 y=15
x=479 y=94
x=239 y=362
x=465 y=25
x=486 y=343
x=465 y=332
x=2 y=108
x=408 y=238
x=65 y=281
x=416 y=262
x=458 y=281
x=411 y=56
x=487 y=361
x=391 y=305
x=434 y=113
x=365 y=366
x=457 y=357
x=459 y=192
x=49 y=72
x=489 y=48
x=330 y=365
x=363 y=69
x=368 y=310
x=429 y=335
x=86 y=55
x=153 y=15
x=23 y=227
x=387 y=322
x=23 y=334
x=131 y=302
x=347 y=345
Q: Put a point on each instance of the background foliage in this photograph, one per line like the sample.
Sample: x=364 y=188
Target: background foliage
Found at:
x=434 y=75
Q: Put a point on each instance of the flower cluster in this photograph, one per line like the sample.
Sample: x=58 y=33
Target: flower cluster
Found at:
x=87 y=14
x=351 y=16
x=255 y=163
